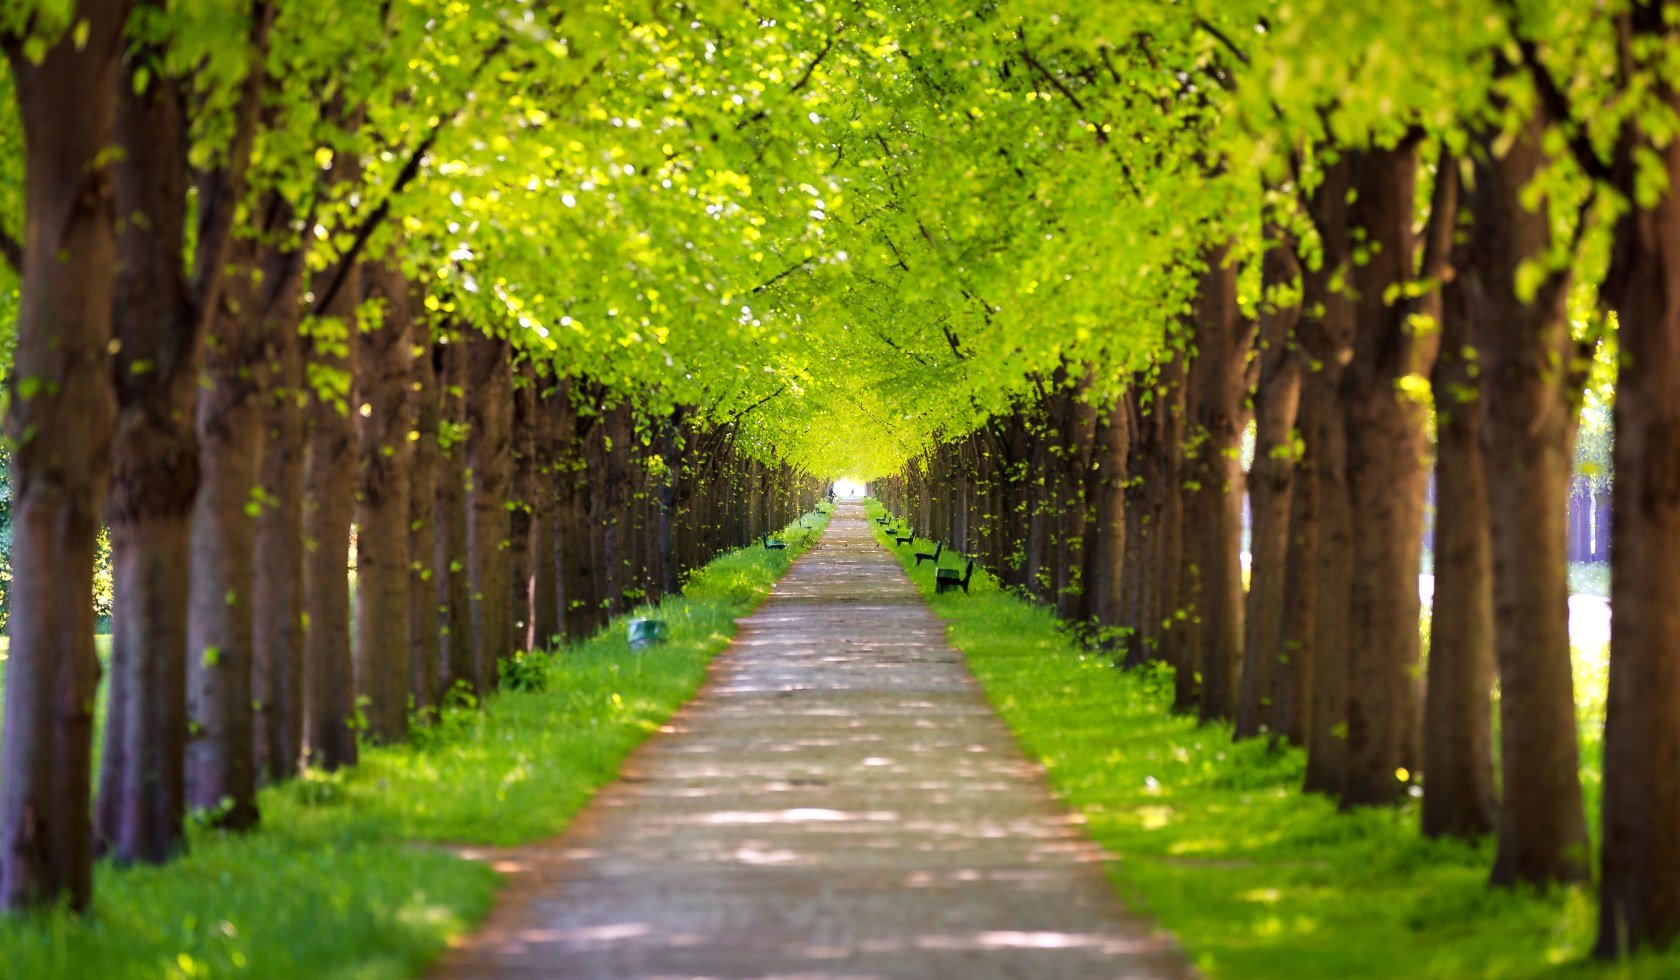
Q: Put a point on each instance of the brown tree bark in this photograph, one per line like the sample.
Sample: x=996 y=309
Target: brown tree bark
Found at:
x=521 y=519
x=1035 y=486
x=1639 y=893
x=1106 y=552
x=1073 y=465
x=1328 y=340
x=452 y=580
x=545 y=557
x=154 y=475
x=425 y=627
x=1138 y=570
x=667 y=502
x=277 y=648
x=221 y=762
x=381 y=395
x=577 y=568
x=1527 y=440
x=1219 y=371
x=1459 y=798
x=1288 y=716
x=221 y=756
x=489 y=391
x=329 y=475
x=1270 y=480
x=1170 y=618
x=615 y=509
x=599 y=517
x=60 y=420
x=1386 y=481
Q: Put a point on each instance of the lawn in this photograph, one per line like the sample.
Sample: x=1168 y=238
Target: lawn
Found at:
x=350 y=874
x=1215 y=841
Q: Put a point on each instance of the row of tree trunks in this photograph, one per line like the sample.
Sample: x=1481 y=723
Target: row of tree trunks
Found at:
x=262 y=678
x=1329 y=655
x=244 y=454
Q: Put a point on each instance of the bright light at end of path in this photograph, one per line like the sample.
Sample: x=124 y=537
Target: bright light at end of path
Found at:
x=850 y=489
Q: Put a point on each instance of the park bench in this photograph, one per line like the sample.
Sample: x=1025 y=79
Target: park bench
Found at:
x=884 y=520
x=922 y=556
x=946 y=579
x=770 y=545
x=905 y=536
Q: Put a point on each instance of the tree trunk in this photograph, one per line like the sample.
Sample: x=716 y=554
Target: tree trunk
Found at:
x=1328 y=340
x=425 y=572
x=329 y=476
x=1223 y=339
x=521 y=520
x=577 y=569
x=1386 y=480
x=221 y=750
x=1073 y=596
x=452 y=581
x=154 y=476
x=545 y=562
x=1106 y=551
x=1639 y=895
x=60 y=420
x=1527 y=440
x=489 y=456
x=1036 y=485
x=1170 y=618
x=1288 y=716
x=277 y=647
x=1270 y=480
x=382 y=385
x=1459 y=795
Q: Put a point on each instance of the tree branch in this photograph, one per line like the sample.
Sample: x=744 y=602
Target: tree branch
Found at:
x=1056 y=83
x=1223 y=38
x=406 y=176
x=803 y=80
x=778 y=277
x=222 y=190
x=1556 y=101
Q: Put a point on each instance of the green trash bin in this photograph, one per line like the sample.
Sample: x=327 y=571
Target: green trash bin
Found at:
x=645 y=633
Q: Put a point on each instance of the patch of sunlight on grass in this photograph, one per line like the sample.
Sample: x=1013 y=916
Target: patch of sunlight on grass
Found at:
x=345 y=877
x=1215 y=841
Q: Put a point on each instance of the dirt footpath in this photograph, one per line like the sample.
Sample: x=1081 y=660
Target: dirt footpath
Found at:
x=840 y=801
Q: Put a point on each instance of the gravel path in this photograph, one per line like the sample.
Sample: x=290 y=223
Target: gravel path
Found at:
x=840 y=801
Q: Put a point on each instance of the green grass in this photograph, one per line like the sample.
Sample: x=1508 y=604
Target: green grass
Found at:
x=1215 y=841
x=348 y=876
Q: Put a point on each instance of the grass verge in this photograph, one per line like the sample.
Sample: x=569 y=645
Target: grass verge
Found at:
x=1215 y=841
x=345 y=878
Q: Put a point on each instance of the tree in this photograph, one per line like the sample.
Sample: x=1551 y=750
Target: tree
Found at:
x=64 y=64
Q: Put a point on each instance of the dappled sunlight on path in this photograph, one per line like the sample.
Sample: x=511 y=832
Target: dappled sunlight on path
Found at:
x=839 y=801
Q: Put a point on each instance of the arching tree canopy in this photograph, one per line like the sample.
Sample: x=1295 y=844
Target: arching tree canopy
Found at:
x=550 y=303
x=798 y=212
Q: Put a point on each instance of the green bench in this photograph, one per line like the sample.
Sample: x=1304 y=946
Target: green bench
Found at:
x=946 y=579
